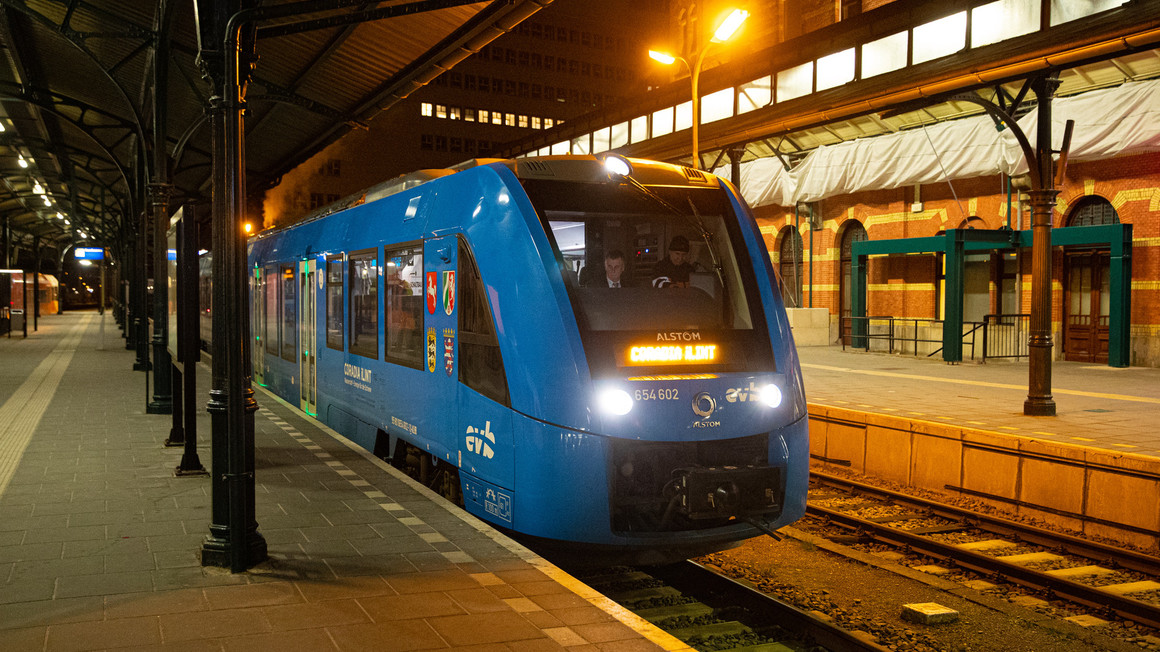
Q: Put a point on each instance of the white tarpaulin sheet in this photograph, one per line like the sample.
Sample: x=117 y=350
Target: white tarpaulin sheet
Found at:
x=1111 y=122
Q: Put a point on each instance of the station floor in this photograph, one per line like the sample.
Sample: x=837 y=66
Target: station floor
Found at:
x=1097 y=406
x=99 y=541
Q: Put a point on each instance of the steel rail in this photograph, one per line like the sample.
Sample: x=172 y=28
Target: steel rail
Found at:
x=1117 y=557
x=1123 y=606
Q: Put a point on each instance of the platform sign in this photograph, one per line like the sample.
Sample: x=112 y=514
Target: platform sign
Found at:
x=89 y=253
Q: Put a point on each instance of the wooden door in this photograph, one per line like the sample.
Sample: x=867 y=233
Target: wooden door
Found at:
x=1085 y=330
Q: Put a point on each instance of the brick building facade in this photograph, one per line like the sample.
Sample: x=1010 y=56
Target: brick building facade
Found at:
x=910 y=286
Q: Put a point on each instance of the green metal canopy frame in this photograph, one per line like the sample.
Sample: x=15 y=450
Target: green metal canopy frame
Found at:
x=957 y=242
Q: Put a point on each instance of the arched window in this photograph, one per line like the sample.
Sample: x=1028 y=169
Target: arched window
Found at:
x=789 y=266
x=1093 y=210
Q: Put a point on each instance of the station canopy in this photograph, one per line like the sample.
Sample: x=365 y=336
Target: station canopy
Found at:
x=77 y=88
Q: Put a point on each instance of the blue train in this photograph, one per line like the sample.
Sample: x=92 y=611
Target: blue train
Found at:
x=582 y=350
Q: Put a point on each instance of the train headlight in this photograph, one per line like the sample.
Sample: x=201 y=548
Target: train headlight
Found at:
x=771 y=395
x=614 y=401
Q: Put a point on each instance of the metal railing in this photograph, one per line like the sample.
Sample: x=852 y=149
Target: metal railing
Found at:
x=915 y=336
x=1002 y=336
x=1005 y=336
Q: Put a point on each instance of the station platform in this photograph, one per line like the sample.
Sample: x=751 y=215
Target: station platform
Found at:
x=1093 y=468
x=99 y=541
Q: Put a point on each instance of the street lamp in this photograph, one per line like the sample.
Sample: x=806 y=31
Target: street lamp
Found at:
x=724 y=32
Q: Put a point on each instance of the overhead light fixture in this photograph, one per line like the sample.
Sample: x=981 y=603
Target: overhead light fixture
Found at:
x=47 y=201
x=1 y=126
x=37 y=189
x=20 y=160
x=663 y=57
x=67 y=223
x=731 y=24
x=59 y=216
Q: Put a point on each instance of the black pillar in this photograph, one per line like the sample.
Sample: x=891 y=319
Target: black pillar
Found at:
x=35 y=284
x=234 y=540
x=162 y=402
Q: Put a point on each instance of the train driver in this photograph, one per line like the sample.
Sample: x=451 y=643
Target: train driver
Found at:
x=614 y=269
x=674 y=270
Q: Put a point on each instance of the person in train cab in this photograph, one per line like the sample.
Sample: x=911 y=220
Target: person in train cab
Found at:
x=674 y=270
x=614 y=266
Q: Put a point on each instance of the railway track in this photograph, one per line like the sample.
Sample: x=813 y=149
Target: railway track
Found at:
x=1108 y=580
x=712 y=612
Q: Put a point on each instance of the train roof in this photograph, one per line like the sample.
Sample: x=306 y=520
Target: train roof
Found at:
x=580 y=169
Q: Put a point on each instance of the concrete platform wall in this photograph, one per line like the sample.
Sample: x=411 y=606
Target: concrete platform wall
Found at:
x=1100 y=493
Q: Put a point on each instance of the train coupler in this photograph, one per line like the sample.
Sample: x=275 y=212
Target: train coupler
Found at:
x=728 y=491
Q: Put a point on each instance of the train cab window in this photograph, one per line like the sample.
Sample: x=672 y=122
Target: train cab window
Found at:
x=364 y=303
x=642 y=262
x=404 y=292
x=480 y=362
x=289 y=314
x=270 y=332
x=334 y=305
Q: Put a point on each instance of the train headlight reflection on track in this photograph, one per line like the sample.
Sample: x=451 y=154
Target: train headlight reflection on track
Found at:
x=771 y=395
x=614 y=401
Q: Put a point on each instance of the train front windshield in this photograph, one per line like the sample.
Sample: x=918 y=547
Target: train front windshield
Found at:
x=659 y=278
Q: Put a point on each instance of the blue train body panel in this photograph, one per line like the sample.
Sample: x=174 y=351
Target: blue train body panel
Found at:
x=461 y=316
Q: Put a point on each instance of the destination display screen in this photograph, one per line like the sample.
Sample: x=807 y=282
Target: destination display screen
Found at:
x=662 y=354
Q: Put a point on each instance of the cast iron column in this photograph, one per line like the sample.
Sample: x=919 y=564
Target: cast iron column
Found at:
x=162 y=402
x=233 y=540
x=1039 y=401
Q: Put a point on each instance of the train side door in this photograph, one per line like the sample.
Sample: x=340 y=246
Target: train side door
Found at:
x=440 y=307
x=309 y=283
x=257 y=324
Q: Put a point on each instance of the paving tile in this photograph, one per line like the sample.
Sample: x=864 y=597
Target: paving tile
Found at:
x=213 y=624
x=106 y=547
x=566 y=600
x=479 y=600
x=252 y=595
x=370 y=565
x=26 y=638
x=104 y=634
x=154 y=603
x=629 y=645
x=484 y=628
x=103 y=584
x=344 y=587
x=415 y=605
x=31 y=552
x=44 y=612
x=330 y=613
x=604 y=632
x=28 y=590
x=180 y=578
x=309 y=639
x=436 y=581
x=582 y=615
x=131 y=562
x=57 y=567
x=397 y=636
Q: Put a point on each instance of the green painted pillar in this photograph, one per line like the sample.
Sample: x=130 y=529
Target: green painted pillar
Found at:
x=1120 y=319
x=953 y=297
x=858 y=325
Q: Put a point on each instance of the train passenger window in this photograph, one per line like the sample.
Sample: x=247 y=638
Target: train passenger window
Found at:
x=334 y=305
x=270 y=330
x=289 y=314
x=404 y=290
x=364 y=303
x=480 y=362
